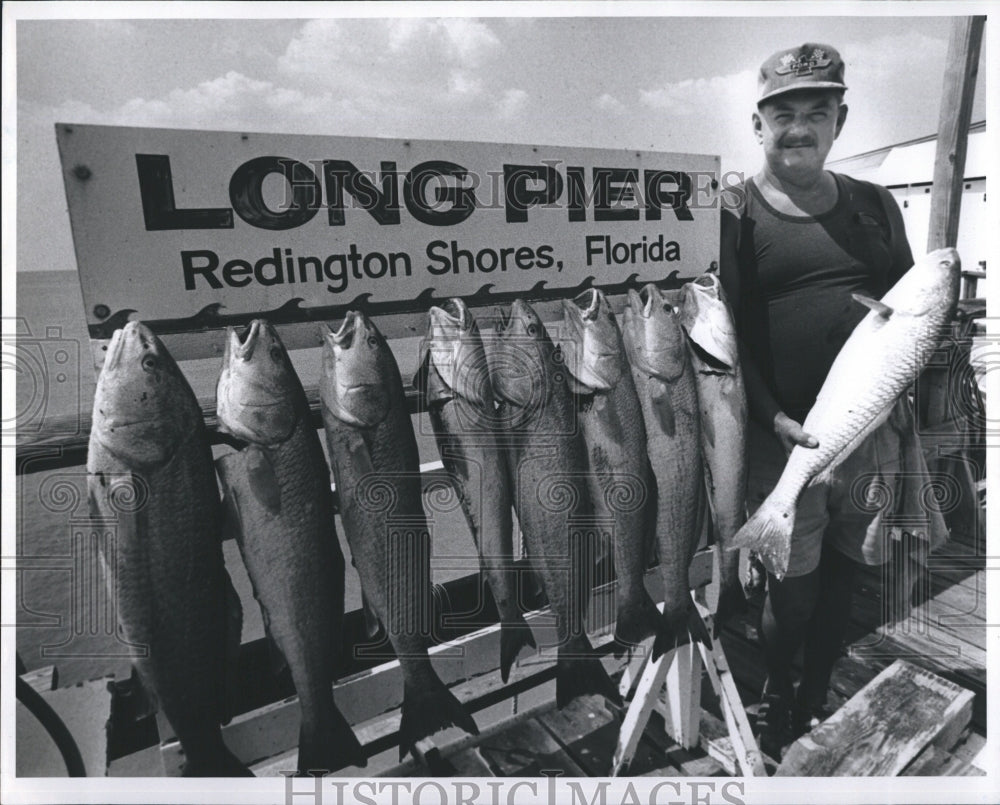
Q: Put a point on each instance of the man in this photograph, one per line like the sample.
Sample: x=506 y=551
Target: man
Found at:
x=795 y=247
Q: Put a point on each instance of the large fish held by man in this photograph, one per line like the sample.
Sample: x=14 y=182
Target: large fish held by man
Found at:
x=277 y=489
x=548 y=467
x=621 y=482
x=878 y=362
x=151 y=474
x=373 y=452
x=722 y=400
x=455 y=378
x=664 y=380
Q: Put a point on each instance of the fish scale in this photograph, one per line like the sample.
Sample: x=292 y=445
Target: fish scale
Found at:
x=166 y=572
x=548 y=469
x=454 y=378
x=620 y=481
x=664 y=380
x=881 y=358
x=373 y=453
x=708 y=321
x=278 y=494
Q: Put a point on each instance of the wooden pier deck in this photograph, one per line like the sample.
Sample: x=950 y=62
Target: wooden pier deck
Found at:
x=523 y=734
x=945 y=633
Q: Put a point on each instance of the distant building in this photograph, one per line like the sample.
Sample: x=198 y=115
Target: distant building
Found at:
x=907 y=170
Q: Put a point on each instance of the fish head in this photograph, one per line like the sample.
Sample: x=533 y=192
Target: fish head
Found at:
x=592 y=343
x=654 y=339
x=935 y=281
x=259 y=397
x=524 y=357
x=357 y=372
x=705 y=316
x=453 y=358
x=144 y=408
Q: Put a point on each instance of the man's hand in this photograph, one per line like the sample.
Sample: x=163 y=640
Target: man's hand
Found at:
x=790 y=433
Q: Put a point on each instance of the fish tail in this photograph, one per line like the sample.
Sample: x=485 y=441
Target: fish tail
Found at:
x=672 y=631
x=579 y=671
x=428 y=708
x=329 y=745
x=697 y=628
x=637 y=620
x=769 y=532
x=208 y=756
x=514 y=636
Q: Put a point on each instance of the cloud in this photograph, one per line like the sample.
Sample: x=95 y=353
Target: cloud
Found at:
x=387 y=57
x=609 y=103
x=512 y=102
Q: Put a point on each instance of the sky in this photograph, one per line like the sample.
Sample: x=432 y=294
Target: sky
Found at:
x=660 y=83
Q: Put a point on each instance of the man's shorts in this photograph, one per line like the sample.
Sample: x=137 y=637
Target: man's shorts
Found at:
x=882 y=489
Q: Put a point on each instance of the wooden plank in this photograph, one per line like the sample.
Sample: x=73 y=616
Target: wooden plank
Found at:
x=884 y=727
x=682 y=695
x=42 y=679
x=715 y=741
x=961 y=66
x=526 y=750
x=587 y=731
x=637 y=716
x=470 y=763
x=274 y=728
x=748 y=755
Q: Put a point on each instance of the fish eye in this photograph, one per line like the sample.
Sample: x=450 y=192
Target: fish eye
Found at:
x=532 y=330
x=150 y=363
x=372 y=341
x=276 y=354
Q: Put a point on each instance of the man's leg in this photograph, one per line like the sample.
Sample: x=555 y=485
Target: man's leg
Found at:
x=824 y=636
x=785 y=618
x=790 y=602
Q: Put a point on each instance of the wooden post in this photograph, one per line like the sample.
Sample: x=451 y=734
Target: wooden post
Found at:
x=682 y=696
x=953 y=128
x=935 y=412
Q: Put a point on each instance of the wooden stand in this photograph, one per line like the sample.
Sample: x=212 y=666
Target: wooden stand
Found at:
x=671 y=685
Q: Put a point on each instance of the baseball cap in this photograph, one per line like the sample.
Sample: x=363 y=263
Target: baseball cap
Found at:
x=810 y=66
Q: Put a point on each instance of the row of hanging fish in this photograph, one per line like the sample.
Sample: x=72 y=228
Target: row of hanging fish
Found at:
x=624 y=424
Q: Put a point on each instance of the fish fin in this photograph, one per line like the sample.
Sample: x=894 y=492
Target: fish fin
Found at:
x=769 y=532
x=436 y=386
x=579 y=671
x=697 y=628
x=264 y=483
x=708 y=431
x=826 y=475
x=276 y=659
x=329 y=745
x=372 y=622
x=874 y=304
x=671 y=632
x=219 y=762
x=234 y=631
x=423 y=361
x=662 y=405
x=428 y=708
x=513 y=638
x=143 y=700
x=731 y=605
x=713 y=345
x=232 y=521
x=637 y=620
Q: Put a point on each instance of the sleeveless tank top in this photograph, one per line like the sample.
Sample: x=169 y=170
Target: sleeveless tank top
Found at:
x=797 y=275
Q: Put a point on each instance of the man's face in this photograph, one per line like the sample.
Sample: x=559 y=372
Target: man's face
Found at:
x=797 y=131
